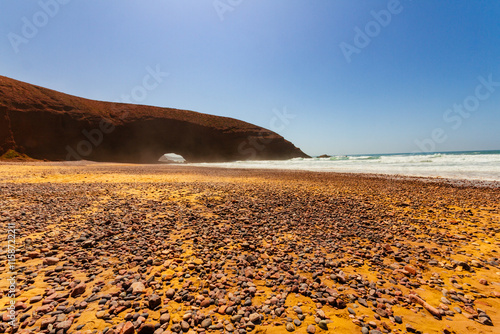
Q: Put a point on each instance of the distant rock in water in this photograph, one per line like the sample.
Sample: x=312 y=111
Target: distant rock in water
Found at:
x=46 y=124
x=324 y=156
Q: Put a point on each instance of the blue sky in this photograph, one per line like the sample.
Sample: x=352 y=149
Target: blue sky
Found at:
x=398 y=87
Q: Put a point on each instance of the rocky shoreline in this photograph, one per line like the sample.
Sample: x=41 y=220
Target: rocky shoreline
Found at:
x=105 y=248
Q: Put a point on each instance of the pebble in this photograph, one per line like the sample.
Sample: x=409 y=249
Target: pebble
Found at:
x=154 y=301
x=381 y=312
x=146 y=328
x=165 y=318
x=78 y=290
x=128 y=328
x=170 y=293
x=445 y=300
x=410 y=328
x=206 y=323
x=323 y=325
x=236 y=318
x=311 y=329
x=35 y=299
x=185 y=326
x=51 y=260
x=138 y=287
x=255 y=318
x=176 y=328
x=410 y=269
x=362 y=302
x=485 y=321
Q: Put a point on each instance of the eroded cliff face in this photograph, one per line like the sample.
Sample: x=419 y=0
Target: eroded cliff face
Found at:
x=46 y=124
x=6 y=136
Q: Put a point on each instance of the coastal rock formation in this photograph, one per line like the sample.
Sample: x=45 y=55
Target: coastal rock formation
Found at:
x=46 y=124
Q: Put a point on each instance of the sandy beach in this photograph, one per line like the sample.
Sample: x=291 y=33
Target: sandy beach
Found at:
x=117 y=248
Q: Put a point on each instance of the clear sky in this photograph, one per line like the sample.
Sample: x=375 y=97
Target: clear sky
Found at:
x=345 y=76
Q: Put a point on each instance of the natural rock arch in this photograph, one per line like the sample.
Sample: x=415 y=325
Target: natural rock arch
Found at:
x=46 y=124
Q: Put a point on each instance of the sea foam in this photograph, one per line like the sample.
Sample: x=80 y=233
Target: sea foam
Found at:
x=478 y=165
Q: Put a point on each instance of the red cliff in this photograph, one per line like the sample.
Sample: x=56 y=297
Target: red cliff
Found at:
x=46 y=124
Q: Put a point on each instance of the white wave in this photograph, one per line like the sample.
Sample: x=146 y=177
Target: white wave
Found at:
x=456 y=166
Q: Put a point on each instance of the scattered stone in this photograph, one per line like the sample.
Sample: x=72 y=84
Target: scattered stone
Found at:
x=154 y=301
x=362 y=302
x=165 y=318
x=35 y=299
x=64 y=325
x=78 y=290
x=483 y=281
x=128 y=328
x=170 y=293
x=138 y=287
x=185 y=326
x=206 y=323
x=410 y=328
x=445 y=300
x=146 y=328
x=51 y=260
x=176 y=328
x=323 y=325
x=485 y=321
x=410 y=269
x=255 y=318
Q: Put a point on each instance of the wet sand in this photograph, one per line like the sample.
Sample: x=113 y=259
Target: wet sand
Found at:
x=112 y=248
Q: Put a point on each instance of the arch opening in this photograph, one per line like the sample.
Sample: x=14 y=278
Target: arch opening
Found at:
x=172 y=158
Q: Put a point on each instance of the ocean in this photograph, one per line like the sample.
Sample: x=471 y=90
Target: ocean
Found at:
x=467 y=165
